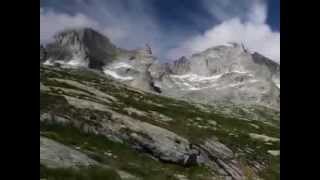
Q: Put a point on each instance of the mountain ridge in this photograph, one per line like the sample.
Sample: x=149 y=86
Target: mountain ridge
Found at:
x=112 y=125
x=228 y=72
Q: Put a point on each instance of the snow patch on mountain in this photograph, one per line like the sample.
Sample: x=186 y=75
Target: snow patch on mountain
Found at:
x=240 y=72
x=76 y=61
x=116 y=75
x=121 y=65
x=190 y=87
x=48 y=63
x=195 y=77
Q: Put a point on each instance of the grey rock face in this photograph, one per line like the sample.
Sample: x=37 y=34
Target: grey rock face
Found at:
x=56 y=155
x=228 y=74
x=221 y=74
x=217 y=149
x=224 y=74
x=180 y=66
x=43 y=53
x=81 y=47
x=159 y=142
x=105 y=107
x=132 y=68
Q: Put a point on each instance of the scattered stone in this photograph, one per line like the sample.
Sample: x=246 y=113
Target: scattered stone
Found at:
x=263 y=137
x=43 y=87
x=127 y=176
x=212 y=122
x=131 y=110
x=255 y=126
x=181 y=177
x=86 y=104
x=158 y=116
x=153 y=103
x=93 y=90
x=198 y=119
x=50 y=117
x=274 y=152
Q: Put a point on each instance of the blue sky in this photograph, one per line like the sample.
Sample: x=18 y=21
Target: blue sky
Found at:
x=172 y=27
x=274 y=14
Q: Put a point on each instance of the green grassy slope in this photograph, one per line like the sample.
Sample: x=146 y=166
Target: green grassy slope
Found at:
x=192 y=121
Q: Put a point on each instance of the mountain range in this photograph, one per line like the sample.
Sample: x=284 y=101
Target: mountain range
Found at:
x=226 y=73
x=112 y=113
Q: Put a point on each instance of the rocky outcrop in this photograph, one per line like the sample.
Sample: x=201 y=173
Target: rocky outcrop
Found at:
x=132 y=68
x=81 y=47
x=180 y=66
x=57 y=155
x=43 y=53
x=156 y=141
x=228 y=74
x=167 y=130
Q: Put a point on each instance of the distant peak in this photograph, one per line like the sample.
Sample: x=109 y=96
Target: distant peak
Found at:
x=234 y=44
x=80 y=32
x=238 y=45
x=148 y=49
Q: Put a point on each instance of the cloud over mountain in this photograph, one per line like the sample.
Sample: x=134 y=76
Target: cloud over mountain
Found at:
x=131 y=24
x=248 y=27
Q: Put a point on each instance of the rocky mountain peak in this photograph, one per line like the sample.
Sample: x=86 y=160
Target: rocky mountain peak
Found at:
x=81 y=47
x=148 y=49
x=224 y=73
x=221 y=73
x=43 y=53
x=180 y=66
x=143 y=56
x=79 y=34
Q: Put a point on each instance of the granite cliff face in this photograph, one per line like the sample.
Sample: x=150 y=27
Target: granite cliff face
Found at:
x=222 y=74
x=81 y=48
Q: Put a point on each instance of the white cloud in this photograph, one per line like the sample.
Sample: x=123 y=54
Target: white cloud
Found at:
x=126 y=29
x=257 y=12
x=134 y=24
x=253 y=32
x=52 y=22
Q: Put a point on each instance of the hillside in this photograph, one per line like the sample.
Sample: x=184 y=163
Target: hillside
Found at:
x=95 y=127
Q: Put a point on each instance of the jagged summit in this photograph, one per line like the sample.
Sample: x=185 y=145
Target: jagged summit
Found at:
x=43 y=53
x=82 y=47
x=148 y=49
x=78 y=30
x=225 y=73
x=144 y=54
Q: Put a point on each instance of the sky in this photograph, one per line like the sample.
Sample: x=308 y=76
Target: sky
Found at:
x=173 y=28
